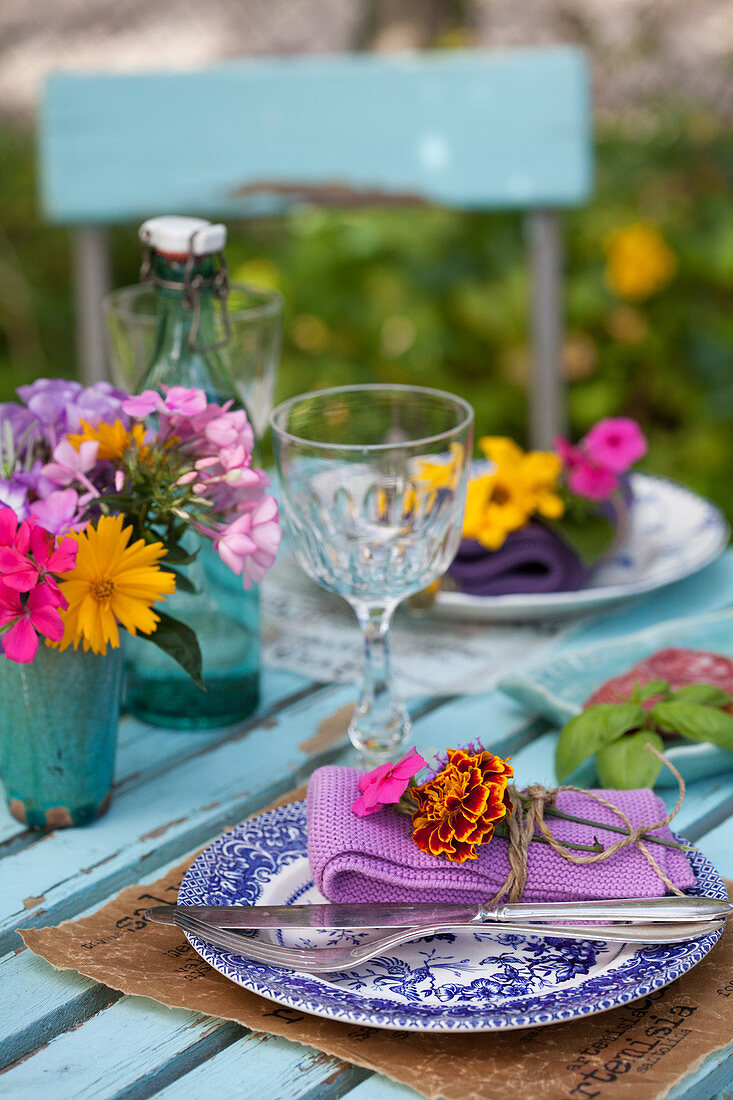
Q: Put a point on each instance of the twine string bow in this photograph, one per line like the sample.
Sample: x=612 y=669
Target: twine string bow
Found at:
x=525 y=822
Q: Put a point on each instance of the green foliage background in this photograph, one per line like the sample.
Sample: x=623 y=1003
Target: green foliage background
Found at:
x=440 y=298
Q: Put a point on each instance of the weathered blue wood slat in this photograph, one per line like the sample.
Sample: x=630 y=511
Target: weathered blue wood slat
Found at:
x=42 y=1004
x=460 y=128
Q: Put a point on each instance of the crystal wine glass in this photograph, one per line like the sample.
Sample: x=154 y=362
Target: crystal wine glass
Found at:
x=373 y=488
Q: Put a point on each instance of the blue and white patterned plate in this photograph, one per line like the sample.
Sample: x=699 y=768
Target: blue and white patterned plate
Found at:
x=467 y=981
x=673 y=533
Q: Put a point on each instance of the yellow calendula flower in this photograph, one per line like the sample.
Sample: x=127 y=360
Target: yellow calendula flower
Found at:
x=520 y=485
x=112 y=583
x=114 y=439
x=639 y=261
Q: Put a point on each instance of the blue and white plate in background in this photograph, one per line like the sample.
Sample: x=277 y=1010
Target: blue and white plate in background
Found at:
x=451 y=982
x=673 y=534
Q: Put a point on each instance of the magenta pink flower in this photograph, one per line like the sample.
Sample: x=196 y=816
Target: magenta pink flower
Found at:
x=249 y=545
x=52 y=556
x=570 y=455
x=8 y=527
x=38 y=613
x=615 y=443
x=386 y=784
x=593 y=482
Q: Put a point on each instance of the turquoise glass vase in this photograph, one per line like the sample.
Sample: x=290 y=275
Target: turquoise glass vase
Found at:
x=58 y=732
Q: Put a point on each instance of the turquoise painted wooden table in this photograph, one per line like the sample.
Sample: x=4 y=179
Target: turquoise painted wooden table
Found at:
x=66 y=1037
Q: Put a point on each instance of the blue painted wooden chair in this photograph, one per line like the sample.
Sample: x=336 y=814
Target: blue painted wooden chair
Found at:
x=464 y=129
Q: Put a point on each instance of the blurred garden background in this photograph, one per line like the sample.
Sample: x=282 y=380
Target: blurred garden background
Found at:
x=432 y=296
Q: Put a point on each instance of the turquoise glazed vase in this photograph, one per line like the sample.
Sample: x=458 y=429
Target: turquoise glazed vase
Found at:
x=58 y=731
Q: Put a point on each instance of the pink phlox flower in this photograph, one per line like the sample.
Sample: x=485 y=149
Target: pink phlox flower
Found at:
x=119 y=480
x=386 y=784
x=68 y=463
x=615 y=443
x=143 y=404
x=38 y=613
x=61 y=511
x=249 y=545
x=593 y=482
x=230 y=429
x=184 y=400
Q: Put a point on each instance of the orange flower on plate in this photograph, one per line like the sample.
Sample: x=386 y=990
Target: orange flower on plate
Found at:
x=458 y=809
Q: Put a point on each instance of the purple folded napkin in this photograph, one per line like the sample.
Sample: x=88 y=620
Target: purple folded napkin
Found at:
x=375 y=859
x=532 y=559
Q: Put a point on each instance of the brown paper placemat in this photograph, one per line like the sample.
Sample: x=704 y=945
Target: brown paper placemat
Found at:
x=636 y=1053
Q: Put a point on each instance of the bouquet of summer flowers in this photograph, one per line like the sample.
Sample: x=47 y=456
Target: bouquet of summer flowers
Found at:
x=538 y=521
x=98 y=489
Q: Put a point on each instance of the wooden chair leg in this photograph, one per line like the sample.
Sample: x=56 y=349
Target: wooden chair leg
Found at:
x=547 y=396
x=91 y=270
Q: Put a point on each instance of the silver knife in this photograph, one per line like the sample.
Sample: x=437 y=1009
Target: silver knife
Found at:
x=382 y=915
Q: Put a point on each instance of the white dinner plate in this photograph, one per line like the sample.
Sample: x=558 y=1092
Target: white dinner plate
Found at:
x=673 y=533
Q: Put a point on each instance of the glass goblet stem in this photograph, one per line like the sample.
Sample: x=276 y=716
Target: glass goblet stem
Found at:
x=380 y=724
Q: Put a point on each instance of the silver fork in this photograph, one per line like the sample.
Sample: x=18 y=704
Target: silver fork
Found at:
x=318 y=960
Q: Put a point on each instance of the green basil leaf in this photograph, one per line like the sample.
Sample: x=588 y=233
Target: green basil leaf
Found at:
x=179 y=642
x=627 y=763
x=650 y=689
x=707 y=694
x=590 y=731
x=697 y=722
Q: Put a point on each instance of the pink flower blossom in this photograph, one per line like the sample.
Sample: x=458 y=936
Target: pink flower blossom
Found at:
x=230 y=429
x=68 y=463
x=143 y=404
x=615 y=443
x=60 y=512
x=8 y=526
x=571 y=456
x=38 y=613
x=178 y=399
x=16 y=570
x=181 y=399
x=386 y=784
x=593 y=482
x=50 y=555
x=249 y=544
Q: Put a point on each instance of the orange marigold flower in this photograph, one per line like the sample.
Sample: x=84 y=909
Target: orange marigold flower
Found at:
x=458 y=809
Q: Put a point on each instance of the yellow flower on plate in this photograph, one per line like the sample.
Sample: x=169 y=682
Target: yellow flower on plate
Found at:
x=639 y=261
x=114 y=439
x=112 y=583
x=506 y=498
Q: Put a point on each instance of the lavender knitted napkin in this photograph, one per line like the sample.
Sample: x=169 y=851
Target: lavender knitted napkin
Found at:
x=532 y=559
x=375 y=859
